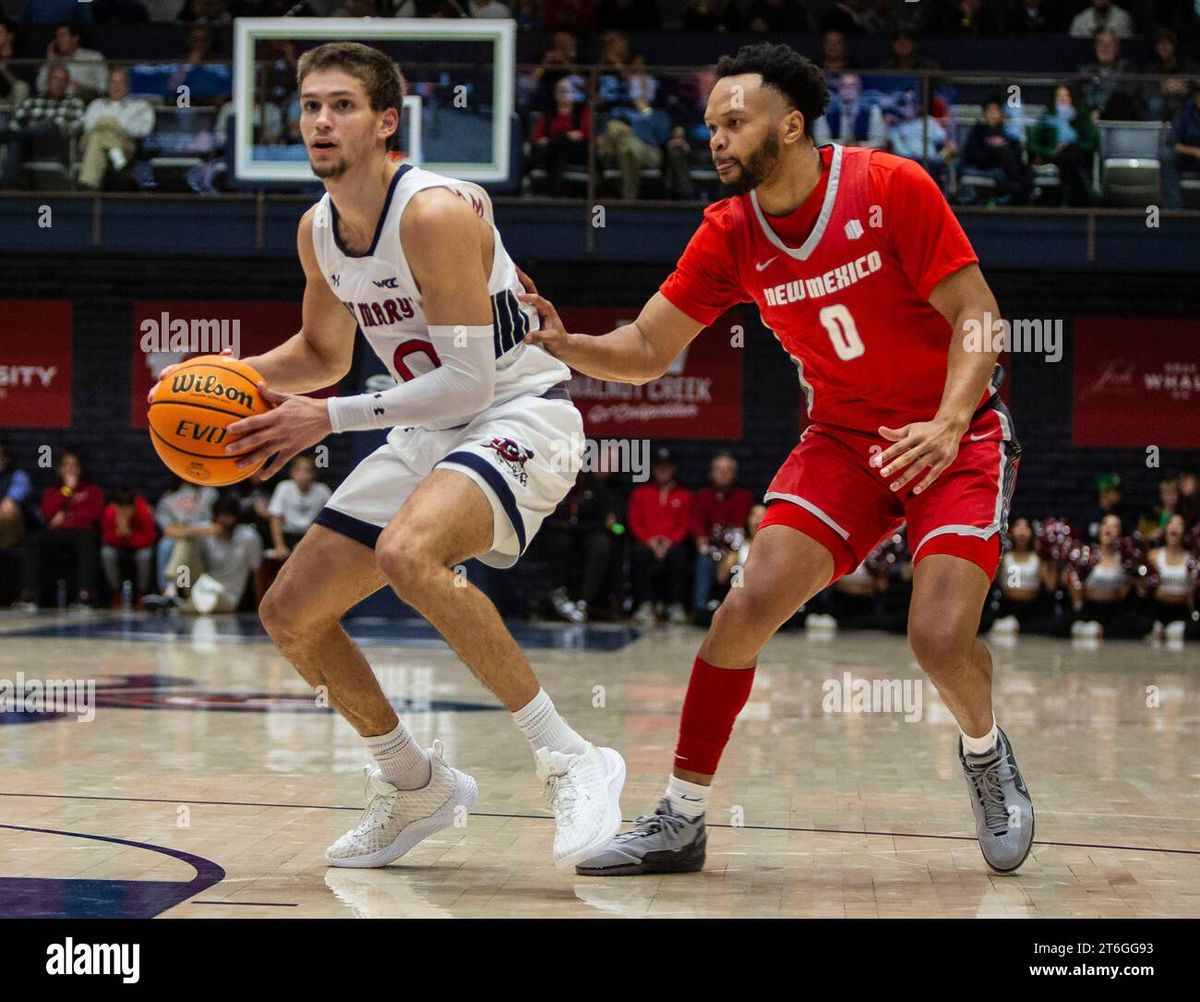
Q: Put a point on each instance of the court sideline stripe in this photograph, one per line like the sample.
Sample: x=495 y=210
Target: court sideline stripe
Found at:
x=542 y=817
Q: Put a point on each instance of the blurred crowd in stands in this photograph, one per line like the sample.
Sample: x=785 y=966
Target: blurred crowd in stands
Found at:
x=595 y=118
x=613 y=551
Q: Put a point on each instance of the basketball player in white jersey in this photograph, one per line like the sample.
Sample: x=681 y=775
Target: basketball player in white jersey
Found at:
x=484 y=443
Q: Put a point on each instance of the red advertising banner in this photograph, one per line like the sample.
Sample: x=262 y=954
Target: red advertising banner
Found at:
x=1137 y=382
x=165 y=333
x=700 y=395
x=35 y=363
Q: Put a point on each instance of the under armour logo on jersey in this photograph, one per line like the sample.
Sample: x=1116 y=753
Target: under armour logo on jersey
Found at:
x=854 y=229
x=336 y=280
x=386 y=283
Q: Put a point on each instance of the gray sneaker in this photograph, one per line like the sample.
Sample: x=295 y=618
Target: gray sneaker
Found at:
x=665 y=842
x=1001 y=803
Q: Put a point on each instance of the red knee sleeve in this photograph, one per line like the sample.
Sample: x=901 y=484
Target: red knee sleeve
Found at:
x=715 y=697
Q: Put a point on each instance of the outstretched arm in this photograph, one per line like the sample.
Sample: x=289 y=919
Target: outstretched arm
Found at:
x=636 y=353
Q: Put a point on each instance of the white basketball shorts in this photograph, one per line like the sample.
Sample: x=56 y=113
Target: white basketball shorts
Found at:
x=524 y=454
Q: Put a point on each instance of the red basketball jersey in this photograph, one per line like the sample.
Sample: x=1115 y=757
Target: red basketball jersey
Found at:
x=850 y=304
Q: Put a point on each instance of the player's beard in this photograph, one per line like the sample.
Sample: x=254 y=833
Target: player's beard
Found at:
x=756 y=168
x=331 y=173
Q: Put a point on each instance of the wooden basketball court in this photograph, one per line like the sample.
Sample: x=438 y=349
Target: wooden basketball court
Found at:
x=209 y=782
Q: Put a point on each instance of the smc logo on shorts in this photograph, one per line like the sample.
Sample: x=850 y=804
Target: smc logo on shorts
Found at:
x=512 y=456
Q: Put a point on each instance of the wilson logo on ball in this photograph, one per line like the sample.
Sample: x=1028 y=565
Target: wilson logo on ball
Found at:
x=210 y=386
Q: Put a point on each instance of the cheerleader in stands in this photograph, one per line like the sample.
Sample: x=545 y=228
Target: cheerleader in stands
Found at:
x=1025 y=584
x=1105 y=579
x=1177 y=569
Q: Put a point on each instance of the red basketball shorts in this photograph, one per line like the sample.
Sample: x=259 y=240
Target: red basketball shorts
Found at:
x=827 y=489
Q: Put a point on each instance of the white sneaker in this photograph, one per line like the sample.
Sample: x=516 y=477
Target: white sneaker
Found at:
x=1175 y=630
x=1006 y=625
x=584 y=793
x=645 y=615
x=395 y=820
x=677 y=615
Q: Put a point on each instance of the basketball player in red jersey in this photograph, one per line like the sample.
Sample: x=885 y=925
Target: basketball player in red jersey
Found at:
x=860 y=269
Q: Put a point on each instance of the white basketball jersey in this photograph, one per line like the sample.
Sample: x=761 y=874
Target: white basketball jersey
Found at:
x=379 y=291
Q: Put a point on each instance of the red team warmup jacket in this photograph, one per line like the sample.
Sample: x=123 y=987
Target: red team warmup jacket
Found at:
x=655 y=511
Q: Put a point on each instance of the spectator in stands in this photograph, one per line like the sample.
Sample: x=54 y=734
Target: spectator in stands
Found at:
x=1175 y=593
x=1163 y=98
x=488 y=9
x=643 y=87
x=87 y=69
x=844 y=16
x=18 y=508
x=718 y=521
x=13 y=90
x=905 y=54
x=712 y=15
x=1182 y=153
x=1026 y=584
x=612 y=88
x=561 y=137
x=659 y=513
x=218 y=557
x=127 y=529
x=122 y=12
x=1189 y=503
x=917 y=135
x=677 y=163
x=296 y=504
x=737 y=556
x=778 y=17
x=1108 y=96
x=1151 y=525
x=563 y=52
x=879 y=17
x=1102 y=589
x=633 y=146
x=1066 y=136
x=55 y=11
x=1100 y=16
x=1034 y=17
x=629 y=15
x=835 y=52
x=1108 y=502
x=990 y=150
x=47 y=121
x=207 y=82
x=182 y=508
x=112 y=127
x=585 y=532
x=71 y=512
x=848 y=121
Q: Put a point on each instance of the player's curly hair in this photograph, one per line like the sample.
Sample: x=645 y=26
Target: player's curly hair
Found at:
x=782 y=67
x=375 y=70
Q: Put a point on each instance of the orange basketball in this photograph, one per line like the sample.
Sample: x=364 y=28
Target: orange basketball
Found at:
x=190 y=410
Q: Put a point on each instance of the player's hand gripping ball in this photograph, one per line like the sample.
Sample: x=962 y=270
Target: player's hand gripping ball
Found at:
x=191 y=409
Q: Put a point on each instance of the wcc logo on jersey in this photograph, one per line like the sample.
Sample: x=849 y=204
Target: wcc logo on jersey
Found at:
x=512 y=456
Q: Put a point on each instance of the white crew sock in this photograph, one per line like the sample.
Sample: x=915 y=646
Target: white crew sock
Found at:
x=400 y=759
x=688 y=799
x=544 y=728
x=980 y=746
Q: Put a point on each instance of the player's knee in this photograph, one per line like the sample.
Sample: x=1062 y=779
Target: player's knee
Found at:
x=743 y=609
x=280 y=616
x=938 y=644
x=403 y=560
